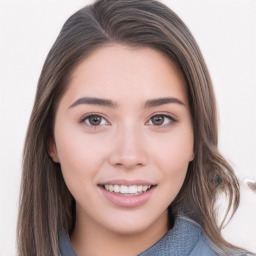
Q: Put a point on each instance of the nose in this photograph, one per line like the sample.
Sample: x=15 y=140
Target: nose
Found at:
x=129 y=149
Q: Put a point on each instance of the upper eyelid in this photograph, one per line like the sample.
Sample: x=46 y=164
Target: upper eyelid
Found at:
x=172 y=116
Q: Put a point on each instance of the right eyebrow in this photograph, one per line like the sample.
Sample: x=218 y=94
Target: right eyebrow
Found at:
x=95 y=101
x=162 y=101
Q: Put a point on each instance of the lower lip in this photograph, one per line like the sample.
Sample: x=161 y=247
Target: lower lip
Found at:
x=128 y=201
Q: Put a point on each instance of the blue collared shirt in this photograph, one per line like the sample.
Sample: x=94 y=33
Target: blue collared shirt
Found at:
x=186 y=238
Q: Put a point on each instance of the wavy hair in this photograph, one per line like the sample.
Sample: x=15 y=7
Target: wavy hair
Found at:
x=46 y=205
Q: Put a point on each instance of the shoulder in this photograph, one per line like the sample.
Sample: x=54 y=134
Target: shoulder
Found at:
x=205 y=246
x=187 y=238
x=202 y=245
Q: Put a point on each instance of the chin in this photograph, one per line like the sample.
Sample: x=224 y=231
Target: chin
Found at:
x=130 y=230
x=132 y=224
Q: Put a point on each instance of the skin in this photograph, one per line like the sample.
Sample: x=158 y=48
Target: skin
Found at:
x=127 y=144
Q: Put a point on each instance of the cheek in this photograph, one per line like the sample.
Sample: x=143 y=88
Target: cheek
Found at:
x=80 y=155
x=173 y=151
x=172 y=155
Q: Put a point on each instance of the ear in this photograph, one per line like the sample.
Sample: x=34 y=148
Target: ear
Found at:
x=52 y=151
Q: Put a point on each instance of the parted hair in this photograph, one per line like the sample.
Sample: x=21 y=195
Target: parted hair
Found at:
x=46 y=206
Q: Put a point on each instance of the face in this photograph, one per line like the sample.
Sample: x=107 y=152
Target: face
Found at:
x=124 y=138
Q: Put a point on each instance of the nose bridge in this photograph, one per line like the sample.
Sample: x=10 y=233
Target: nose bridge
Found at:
x=129 y=148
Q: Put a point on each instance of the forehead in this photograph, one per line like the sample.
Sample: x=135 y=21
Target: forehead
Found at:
x=119 y=72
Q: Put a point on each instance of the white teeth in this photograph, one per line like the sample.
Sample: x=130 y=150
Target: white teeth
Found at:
x=110 y=188
x=124 y=189
x=144 y=188
x=139 y=188
x=116 y=189
x=133 y=189
x=127 y=190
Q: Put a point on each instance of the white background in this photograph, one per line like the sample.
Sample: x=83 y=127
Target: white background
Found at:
x=226 y=33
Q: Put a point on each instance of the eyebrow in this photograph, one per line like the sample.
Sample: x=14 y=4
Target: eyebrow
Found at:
x=111 y=104
x=95 y=101
x=162 y=101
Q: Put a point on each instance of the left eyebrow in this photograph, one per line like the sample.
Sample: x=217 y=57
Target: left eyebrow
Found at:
x=162 y=101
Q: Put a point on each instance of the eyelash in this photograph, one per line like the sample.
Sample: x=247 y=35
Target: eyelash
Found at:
x=171 y=120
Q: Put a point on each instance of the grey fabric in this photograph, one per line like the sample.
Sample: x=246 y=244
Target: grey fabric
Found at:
x=186 y=238
x=65 y=246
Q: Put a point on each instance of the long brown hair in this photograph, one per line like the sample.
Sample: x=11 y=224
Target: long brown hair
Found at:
x=46 y=205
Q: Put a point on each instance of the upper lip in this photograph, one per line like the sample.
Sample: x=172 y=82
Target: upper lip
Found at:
x=127 y=182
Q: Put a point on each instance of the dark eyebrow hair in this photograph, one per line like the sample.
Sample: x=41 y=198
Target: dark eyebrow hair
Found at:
x=95 y=101
x=112 y=104
x=162 y=101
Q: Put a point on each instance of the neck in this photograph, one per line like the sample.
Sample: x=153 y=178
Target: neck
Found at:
x=90 y=238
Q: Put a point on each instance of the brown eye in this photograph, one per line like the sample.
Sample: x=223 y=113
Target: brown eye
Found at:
x=157 y=120
x=161 y=120
x=94 y=120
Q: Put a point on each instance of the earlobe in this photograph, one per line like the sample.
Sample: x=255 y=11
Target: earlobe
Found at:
x=52 y=151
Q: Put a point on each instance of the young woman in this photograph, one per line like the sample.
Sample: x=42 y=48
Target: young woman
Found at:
x=121 y=153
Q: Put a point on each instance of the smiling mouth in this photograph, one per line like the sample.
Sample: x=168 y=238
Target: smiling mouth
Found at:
x=132 y=190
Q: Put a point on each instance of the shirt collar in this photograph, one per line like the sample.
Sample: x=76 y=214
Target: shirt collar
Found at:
x=182 y=239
